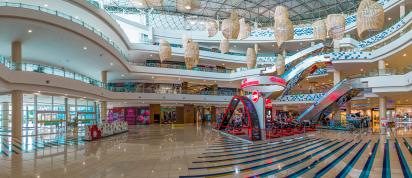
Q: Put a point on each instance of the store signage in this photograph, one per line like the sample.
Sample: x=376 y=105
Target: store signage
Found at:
x=255 y=96
x=248 y=83
x=277 y=80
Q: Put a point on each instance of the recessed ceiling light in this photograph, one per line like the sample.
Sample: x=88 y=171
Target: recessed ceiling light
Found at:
x=361 y=70
x=404 y=54
x=84 y=47
x=223 y=64
x=202 y=23
x=76 y=17
x=389 y=18
x=151 y=55
x=111 y=63
x=140 y=4
x=188 y=7
x=153 y=77
x=46 y=5
x=122 y=75
x=29 y=31
x=386 y=64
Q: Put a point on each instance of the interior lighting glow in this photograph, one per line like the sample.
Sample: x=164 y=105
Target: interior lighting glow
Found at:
x=84 y=47
x=46 y=5
x=188 y=7
x=404 y=55
x=29 y=31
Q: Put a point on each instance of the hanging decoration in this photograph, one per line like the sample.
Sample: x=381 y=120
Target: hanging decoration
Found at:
x=281 y=12
x=147 y=3
x=370 y=17
x=280 y=64
x=230 y=26
x=187 y=5
x=251 y=58
x=319 y=30
x=212 y=28
x=335 y=25
x=224 y=46
x=283 y=26
x=191 y=54
x=165 y=51
x=245 y=29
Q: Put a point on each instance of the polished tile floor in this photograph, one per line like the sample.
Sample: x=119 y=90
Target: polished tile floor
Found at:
x=194 y=151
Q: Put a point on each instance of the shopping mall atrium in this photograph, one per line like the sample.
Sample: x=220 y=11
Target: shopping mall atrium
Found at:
x=205 y=88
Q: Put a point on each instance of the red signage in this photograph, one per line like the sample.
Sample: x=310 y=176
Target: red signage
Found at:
x=268 y=103
x=277 y=80
x=255 y=96
x=248 y=83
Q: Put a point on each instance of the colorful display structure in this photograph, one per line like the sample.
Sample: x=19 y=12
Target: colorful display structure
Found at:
x=97 y=131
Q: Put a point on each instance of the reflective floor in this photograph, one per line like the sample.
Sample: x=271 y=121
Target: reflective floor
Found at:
x=194 y=151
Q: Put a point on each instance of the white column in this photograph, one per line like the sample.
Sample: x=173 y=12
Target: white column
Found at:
x=381 y=67
x=312 y=43
x=402 y=10
x=5 y=114
x=336 y=77
x=382 y=114
x=17 y=114
x=256 y=48
x=103 y=104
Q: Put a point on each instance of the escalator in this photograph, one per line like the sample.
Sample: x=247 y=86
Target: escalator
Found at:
x=253 y=128
x=332 y=100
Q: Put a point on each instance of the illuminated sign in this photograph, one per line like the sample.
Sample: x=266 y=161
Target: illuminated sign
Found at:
x=255 y=96
x=277 y=80
x=248 y=83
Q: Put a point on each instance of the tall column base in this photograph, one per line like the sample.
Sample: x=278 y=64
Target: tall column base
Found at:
x=17 y=114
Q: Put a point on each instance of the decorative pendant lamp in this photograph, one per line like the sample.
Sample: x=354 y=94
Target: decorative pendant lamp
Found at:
x=230 y=26
x=251 y=58
x=147 y=3
x=319 y=30
x=165 y=51
x=212 y=28
x=283 y=31
x=370 y=17
x=280 y=64
x=281 y=12
x=191 y=55
x=244 y=30
x=224 y=46
x=335 y=25
x=283 y=26
x=187 y=5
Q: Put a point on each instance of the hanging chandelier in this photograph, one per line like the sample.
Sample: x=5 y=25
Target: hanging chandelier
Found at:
x=370 y=17
x=319 y=30
x=165 y=51
x=187 y=5
x=230 y=26
x=335 y=25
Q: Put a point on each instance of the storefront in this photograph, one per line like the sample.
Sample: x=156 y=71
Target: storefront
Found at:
x=133 y=115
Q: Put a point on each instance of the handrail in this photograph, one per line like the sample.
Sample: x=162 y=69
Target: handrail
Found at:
x=182 y=67
x=67 y=17
x=57 y=71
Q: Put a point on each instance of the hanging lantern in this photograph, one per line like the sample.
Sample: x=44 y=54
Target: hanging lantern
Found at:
x=185 y=40
x=165 y=51
x=319 y=30
x=224 y=46
x=230 y=26
x=280 y=64
x=281 y=12
x=251 y=58
x=370 y=17
x=283 y=31
x=335 y=25
x=244 y=30
x=147 y=3
x=212 y=28
x=191 y=55
x=187 y=5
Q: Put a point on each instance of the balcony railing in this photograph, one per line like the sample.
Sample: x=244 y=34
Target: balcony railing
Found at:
x=61 y=72
x=183 y=67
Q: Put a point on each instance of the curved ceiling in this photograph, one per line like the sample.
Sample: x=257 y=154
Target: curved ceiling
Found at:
x=260 y=11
